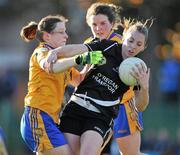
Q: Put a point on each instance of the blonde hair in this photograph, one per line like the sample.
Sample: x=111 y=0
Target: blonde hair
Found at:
x=34 y=30
x=141 y=26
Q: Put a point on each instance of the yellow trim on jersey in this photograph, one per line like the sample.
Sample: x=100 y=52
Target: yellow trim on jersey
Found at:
x=127 y=95
x=38 y=130
x=116 y=37
x=132 y=116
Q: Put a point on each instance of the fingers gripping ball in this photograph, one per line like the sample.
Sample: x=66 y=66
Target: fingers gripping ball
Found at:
x=126 y=67
x=94 y=57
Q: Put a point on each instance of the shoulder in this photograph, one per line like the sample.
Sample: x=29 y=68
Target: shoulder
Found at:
x=109 y=42
x=117 y=38
x=41 y=49
x=103 y=43
x=88 y=40
x=118 y=35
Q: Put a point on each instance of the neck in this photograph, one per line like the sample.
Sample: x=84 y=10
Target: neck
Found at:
x=108 y=37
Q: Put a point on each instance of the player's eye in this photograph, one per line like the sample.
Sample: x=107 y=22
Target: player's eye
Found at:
x=131 y=40
x=103 y=23
x=139 y=44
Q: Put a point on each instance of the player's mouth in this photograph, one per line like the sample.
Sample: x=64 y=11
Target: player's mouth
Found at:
x=100 y=34
x=130 y=52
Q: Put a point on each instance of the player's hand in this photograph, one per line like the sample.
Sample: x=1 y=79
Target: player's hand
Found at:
x=142 y=74
x=94 y=57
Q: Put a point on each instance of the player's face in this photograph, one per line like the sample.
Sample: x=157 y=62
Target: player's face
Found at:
x=133 y=43
x=58 y=36
x=100 y=26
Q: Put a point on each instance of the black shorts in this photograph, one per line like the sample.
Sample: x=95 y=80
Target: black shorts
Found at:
x=76 y=119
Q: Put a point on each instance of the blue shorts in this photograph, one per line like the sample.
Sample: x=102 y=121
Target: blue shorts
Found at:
x=128 y=121
x=39 y=131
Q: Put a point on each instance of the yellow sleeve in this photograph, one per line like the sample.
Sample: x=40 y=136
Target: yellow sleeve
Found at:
x=41 y=53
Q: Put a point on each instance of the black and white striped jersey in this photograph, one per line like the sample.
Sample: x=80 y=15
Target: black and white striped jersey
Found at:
x=102 y=83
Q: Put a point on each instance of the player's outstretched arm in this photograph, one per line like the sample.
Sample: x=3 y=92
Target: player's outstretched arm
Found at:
x=66 y=51
x=93 y=57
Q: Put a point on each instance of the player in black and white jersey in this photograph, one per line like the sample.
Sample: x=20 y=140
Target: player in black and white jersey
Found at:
x=94 y=104
x=87 y=119
x=102 y=18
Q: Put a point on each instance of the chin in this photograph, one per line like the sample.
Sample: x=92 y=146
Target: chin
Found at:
x=62 y=44
x=102 y=37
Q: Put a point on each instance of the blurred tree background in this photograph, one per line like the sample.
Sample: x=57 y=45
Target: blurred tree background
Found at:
x=161 y=119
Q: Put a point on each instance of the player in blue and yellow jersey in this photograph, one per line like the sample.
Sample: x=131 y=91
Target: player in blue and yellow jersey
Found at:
x=46 y=86
x=103 y=19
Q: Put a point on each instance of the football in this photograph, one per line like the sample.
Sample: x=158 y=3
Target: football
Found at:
x=125 y=68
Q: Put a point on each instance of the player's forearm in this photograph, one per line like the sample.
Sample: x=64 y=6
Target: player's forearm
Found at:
x=59 y=66
x=142 y=99
x=63 y=64
x=70 y=50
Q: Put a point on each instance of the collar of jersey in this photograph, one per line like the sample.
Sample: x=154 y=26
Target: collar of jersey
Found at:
x=47 y=45
x=111 y=35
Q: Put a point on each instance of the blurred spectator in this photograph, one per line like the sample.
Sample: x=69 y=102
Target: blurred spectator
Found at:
x=3 y=150
x=148 y=142
x=8 y=84
x=163 y=141
x=169 y=80
x=177 y=143
x=8 y=117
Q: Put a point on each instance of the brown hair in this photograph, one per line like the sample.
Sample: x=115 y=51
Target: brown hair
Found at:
x=110 y=10
x=34 y=30
x=141 y=26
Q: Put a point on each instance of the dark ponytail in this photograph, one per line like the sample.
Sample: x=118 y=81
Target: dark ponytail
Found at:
x=29 y=31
